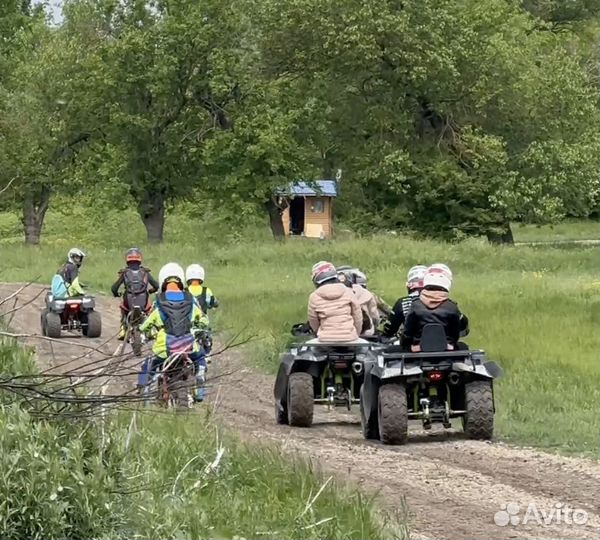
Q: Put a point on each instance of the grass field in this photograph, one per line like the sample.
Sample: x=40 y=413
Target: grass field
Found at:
x=561 y=232
x=536 y=310
x=160 y=476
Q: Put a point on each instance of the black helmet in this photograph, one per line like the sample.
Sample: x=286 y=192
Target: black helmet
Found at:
x=346 y=276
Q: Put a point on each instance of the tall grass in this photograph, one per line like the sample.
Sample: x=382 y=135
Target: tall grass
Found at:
x=533 y=309
x=160 y=475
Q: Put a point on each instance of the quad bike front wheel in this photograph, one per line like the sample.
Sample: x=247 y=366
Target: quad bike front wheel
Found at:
x=478 y=422
x=93 y=328
x=392 y=413
x=300 y=399
x=53 y=325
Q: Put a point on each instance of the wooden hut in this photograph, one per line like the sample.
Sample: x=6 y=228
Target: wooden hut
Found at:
x=309 y=211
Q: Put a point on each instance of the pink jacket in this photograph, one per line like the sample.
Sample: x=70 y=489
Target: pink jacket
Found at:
x=334 y=314
x=368 y=304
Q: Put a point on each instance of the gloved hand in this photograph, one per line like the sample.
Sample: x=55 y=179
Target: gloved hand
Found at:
x=214 y=303
x=301 y=329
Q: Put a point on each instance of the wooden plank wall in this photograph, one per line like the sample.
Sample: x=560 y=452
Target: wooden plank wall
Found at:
x=318 y=218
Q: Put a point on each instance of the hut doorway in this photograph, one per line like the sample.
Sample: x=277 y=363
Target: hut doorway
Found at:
x=297 y=216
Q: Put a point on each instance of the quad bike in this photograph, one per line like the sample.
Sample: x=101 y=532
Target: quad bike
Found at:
x=434 y=386
x=314 y=372
x=71 y=314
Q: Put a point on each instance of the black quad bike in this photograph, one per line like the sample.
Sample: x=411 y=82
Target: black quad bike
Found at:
x=75 y=314
x=434 y=386
x=314 y=372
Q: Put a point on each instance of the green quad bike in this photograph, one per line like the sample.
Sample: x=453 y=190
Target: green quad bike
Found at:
x=434 y=386
x=327 y=374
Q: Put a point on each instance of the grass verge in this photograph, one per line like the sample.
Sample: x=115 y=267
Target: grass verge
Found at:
x=536 y=310
x=160 y=475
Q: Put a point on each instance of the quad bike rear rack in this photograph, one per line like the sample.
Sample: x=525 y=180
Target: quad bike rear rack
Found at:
x=421 y=358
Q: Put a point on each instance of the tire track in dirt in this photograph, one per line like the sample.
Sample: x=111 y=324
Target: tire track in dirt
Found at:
x=92 y=359
x=452 y=486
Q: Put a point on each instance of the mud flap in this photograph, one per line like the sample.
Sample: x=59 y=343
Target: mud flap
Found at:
x=370 y=390
x=283 y=375
x=493 y=369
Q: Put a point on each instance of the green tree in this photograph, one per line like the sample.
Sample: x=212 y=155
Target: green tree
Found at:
x=44 y=120
x=457 y=114
x=166 y=75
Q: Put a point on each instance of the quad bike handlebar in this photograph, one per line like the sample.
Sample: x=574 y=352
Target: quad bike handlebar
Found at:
x=301 y=329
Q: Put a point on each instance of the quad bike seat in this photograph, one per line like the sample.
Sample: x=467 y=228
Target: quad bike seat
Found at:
x=350 y=344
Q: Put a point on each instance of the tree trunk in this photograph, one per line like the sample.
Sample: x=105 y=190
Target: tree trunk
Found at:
x=35 y=206
x=504 y=237
x=275 y=219
x=152 y=212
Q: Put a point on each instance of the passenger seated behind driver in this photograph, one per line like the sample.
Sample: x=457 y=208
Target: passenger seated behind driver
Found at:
x=357 y=281
x=333 y=312
x=414 y=285
x=434 y=307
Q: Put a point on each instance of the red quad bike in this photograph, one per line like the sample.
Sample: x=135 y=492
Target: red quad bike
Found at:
x=75 y=314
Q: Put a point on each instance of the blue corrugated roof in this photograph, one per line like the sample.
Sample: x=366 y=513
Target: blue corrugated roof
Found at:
x=327 y=188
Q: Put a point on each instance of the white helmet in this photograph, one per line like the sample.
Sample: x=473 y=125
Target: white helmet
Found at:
x=323 y=271
x=171 y=270
x=194 y=271
x=73 y=253
x=414 y=278
x=436 y=277
x=443 y=268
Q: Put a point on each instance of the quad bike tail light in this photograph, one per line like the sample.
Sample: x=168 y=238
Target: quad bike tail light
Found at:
x=435 y=376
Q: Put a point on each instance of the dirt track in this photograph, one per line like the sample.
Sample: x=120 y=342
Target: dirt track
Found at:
x=453 y=487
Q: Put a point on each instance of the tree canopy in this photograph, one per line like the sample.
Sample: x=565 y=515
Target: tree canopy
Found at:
x=449 y=119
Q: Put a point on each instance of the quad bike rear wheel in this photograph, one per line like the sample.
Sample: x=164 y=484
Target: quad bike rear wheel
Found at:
x=392 y=413
x=93 y=328
x=478 y=422
x=300 y=399
x=369 y=425
x=53 y=325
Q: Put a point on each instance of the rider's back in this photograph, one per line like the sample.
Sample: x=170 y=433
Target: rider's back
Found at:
x=334 y=314
x=433 y=307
